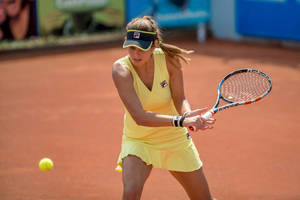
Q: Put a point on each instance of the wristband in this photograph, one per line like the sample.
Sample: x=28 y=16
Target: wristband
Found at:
x=175 y=121
x=182 y=119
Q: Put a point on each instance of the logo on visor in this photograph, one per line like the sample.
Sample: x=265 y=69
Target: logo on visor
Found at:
x=136 y=35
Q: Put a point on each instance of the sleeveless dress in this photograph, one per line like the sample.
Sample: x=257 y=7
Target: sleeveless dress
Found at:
x=168 y=147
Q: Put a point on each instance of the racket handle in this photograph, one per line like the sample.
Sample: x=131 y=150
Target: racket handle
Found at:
x=207 y=115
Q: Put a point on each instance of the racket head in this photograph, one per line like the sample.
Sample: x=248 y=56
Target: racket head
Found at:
x=244 y=86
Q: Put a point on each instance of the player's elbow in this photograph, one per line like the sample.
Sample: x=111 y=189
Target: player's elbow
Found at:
x=141 y=122
x=139 y=119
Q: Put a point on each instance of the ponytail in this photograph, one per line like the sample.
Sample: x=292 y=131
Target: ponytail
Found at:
x=147 y=23
x=175 y=52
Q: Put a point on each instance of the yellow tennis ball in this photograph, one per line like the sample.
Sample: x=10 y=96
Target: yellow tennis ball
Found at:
x=46 y=164
x=230 y=97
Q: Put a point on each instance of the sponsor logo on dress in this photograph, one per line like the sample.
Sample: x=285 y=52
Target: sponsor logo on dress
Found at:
x=188 y=135
x=164 y=84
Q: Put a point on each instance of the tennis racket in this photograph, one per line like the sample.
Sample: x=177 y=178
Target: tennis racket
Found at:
x=240 y=87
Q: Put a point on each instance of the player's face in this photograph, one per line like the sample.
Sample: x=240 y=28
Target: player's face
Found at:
x=139 y=57
x=12 y=7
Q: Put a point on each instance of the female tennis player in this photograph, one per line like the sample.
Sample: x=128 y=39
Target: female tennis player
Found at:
x=149 y=81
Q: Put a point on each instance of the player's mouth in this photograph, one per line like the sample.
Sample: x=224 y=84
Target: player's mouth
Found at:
x=136 y=60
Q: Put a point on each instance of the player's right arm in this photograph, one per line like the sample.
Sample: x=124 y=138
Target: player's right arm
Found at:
x=123 y=81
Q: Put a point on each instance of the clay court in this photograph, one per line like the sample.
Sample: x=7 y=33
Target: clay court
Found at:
x=63 y=105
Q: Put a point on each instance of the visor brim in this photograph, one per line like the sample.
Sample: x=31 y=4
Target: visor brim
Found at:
x=141 y=44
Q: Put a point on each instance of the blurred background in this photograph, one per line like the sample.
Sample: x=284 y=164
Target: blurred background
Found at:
x=43 y=23
x=57 y=97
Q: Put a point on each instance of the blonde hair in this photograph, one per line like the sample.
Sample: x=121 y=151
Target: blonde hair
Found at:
x=147 y=23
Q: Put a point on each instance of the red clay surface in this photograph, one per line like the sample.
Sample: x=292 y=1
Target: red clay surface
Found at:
x=64 y=106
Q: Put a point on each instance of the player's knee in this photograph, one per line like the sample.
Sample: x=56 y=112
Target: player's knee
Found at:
x=132 y=192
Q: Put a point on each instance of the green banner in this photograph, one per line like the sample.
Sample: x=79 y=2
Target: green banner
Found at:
x=81 y=5
x=73 y=17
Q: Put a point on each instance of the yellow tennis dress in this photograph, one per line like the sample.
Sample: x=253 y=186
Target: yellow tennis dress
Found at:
x=167 y=147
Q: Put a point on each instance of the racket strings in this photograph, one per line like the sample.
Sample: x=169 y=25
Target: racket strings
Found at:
x=244 y=86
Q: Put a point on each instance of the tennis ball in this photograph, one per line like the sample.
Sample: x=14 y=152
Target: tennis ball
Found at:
x=230 y=97
x=46 y=164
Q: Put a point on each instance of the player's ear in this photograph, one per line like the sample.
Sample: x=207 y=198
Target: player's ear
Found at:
x=155 y=44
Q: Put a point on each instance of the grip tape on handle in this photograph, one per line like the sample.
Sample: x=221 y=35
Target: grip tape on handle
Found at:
x=206 y=115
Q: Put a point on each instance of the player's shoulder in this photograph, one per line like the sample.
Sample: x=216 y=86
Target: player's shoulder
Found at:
x=118 y=65
x=173 y=64
x=172 y=60
x=120 y=69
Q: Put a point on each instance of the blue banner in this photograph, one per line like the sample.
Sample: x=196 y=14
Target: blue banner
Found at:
x=170 y=13
x=278 y=19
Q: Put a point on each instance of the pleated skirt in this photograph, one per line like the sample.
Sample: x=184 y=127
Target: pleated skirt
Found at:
x=177 y=153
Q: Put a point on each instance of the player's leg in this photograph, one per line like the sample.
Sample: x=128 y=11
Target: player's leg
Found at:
x=135 y=173
x=194 y=183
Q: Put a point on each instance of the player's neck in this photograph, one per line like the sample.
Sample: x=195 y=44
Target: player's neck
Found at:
x=148 y=66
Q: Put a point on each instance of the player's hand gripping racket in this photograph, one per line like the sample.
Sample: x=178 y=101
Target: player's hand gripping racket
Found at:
x=241 y=87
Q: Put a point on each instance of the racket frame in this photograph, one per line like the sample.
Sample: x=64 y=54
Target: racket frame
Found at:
x=216 y=109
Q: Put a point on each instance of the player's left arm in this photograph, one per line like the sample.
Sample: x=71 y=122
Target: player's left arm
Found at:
x=177 y=85
x=177 y=89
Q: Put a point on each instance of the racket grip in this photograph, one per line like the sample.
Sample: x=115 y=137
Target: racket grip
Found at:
x=207 y=115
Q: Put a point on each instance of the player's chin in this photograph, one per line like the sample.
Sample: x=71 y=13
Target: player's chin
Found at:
x=137 y=61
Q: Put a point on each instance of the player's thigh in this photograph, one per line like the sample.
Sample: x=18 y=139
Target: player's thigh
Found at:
x=194 y=183
x=135 y=171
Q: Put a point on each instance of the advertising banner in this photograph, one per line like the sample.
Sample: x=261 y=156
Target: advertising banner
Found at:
x=17 y=19
x=26 y=24
x=72 y=17
x=170 y=13
x=269 y=19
